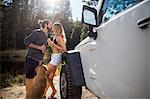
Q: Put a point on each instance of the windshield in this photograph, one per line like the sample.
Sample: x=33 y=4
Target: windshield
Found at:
x=113 y=7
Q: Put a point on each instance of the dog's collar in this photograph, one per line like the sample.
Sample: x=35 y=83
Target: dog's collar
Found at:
x=45 y=66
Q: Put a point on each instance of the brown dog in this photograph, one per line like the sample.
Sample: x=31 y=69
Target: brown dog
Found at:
x=39 y=84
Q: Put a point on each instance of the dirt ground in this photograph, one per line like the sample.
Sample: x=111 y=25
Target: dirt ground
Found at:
x=18 y=92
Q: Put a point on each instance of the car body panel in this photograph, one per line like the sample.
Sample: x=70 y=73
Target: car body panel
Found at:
x=116 y=65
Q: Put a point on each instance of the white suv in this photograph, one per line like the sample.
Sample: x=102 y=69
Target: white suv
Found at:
x=114 y=61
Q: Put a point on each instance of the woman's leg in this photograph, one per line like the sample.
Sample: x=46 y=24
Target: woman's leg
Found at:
x=47 y=87
x=47 y=78
x=52 y=84
x=50 y=75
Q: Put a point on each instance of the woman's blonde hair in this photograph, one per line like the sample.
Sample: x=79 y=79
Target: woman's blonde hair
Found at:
x=61 y=28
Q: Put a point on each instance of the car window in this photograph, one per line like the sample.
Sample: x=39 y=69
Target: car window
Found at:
x=113 y=7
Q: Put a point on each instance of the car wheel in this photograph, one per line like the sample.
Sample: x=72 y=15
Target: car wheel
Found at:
x=67 y=89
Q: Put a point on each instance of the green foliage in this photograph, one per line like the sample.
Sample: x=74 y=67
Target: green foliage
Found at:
x=7 y=80
x=79 y=32
x=13 y=25
x=47 y=55
x=49 y=49
x=21 y=18
x=83 y=33
x=19 y=80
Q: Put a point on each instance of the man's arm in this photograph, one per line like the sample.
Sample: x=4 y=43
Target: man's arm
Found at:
x=30 y=39
x=42 y=47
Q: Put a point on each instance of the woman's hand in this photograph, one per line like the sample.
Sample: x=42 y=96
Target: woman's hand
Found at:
x=50 y=42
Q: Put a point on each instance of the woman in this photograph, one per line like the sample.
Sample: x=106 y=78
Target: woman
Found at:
x=58 y=46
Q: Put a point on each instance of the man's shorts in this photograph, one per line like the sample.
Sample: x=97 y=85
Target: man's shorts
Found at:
x=56 y=59
x=30 y=65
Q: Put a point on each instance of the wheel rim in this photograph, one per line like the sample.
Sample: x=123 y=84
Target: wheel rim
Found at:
x=63 y=85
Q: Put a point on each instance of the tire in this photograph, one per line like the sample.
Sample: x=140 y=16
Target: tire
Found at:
x=67 y=89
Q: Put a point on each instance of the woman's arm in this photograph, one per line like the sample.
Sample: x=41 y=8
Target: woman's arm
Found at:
x=60 y=41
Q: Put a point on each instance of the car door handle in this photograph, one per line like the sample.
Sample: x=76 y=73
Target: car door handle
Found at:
x=143 y=23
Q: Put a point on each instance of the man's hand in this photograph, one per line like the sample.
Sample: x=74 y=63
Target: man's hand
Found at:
x=43 y=48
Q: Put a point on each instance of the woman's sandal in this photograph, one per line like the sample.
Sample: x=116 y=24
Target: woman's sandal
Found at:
x=52 y=96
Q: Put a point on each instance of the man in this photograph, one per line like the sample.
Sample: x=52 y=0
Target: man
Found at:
x=36 y=44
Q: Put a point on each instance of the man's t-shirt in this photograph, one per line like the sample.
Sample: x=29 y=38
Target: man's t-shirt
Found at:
x=37 y=37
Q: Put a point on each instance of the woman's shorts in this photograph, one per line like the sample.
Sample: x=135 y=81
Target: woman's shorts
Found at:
x=30 y=65
x=56 y=59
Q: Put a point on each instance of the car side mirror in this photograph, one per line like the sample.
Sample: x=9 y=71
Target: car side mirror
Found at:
x=89 y=16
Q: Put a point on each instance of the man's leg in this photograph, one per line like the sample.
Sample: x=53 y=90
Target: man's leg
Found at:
x=30 y=65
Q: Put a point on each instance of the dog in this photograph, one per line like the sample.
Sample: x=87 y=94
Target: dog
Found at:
x=39 y=83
